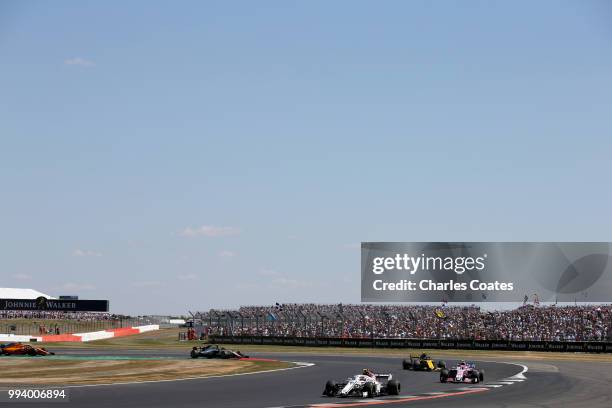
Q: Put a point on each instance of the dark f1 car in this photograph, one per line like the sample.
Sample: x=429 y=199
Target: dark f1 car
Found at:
x=366 y=385
x=462 y=373
x=214 y=351
x=422 y=362
x=20 y=349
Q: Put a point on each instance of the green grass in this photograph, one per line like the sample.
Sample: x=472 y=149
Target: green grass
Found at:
x=435 y=353
x=168 y=339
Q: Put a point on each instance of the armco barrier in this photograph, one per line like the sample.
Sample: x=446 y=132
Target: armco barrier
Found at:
x=12 y=338
x=559 y=346
x=81 y=337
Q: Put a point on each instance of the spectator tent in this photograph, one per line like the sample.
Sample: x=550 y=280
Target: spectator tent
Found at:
x=17 y=293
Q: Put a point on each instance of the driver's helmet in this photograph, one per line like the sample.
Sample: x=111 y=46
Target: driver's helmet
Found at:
x=462 y=362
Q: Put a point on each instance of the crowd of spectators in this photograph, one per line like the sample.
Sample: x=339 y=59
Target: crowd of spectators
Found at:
x=46 y=322
x=529 y=322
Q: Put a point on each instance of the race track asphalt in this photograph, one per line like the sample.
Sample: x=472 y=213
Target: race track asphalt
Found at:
x=546 y=384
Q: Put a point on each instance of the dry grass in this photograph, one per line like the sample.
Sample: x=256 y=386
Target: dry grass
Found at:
x=48 y=371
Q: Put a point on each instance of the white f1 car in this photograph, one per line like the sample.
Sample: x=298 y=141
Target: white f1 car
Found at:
x=366 y=385
x=462 y=373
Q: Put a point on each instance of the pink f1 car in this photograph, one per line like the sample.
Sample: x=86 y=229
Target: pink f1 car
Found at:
x=462 y=373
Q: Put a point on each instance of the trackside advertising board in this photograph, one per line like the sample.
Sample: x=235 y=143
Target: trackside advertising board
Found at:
x=44 y=304
x=486 y=271
x=517 y=345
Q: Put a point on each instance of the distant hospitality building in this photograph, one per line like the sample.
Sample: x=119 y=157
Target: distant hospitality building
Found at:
x=33 y=300
x=17 y=293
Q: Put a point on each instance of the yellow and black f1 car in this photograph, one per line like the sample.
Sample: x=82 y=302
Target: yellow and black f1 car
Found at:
x=422 y=362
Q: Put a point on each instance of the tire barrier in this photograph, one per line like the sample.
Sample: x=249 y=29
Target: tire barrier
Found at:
x=558 y=346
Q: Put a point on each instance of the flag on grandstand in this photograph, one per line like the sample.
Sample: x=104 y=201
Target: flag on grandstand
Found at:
x=440 y=313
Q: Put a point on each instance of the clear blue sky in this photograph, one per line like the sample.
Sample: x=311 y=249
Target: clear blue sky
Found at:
x=173 y=156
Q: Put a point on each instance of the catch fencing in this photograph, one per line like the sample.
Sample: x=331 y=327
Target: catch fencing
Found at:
x=37 y=327
x=557 y=346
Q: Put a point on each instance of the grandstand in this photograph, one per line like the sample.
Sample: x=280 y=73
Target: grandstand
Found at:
x=528 y=322
x=33 y=313
x=25 y=311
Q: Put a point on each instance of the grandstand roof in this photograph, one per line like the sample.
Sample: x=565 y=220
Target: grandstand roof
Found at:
x=17 y=293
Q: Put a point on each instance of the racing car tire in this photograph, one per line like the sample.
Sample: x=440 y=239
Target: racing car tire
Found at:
x=406 y=365
x=369 y=389
x=194 y=353
x=415 y=366
x=481 y=375
x=330 y=388
x=441 y=364
x=31 y=352
x=443 y=375
x=393 y=387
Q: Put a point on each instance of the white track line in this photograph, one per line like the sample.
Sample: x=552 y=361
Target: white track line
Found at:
x=521 y=375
